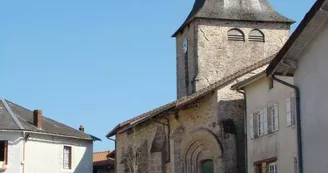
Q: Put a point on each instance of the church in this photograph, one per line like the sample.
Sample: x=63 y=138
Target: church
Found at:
x=221 y=43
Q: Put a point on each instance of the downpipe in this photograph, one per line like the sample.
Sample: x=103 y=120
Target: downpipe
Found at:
x=298 y=121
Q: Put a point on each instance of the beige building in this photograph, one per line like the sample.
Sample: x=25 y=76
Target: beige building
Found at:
x=305 y=57
x=271 y=125
x=220 y=43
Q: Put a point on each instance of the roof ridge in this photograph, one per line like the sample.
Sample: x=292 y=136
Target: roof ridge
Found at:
x=188 y=99
x=11 y=113
x=102 y=152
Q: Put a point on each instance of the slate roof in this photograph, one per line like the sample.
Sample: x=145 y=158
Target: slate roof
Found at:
x=187 y=99
x=242 y=10
x=15 y=117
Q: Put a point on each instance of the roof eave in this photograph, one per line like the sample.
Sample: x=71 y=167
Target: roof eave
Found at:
x=290 y=42
x=241 y=85
x=113 y=131
x=290 y=22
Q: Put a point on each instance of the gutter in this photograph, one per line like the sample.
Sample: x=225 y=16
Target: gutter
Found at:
x=245 y=128
x=298 y=122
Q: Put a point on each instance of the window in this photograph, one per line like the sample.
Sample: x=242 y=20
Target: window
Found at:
x=291 y=111
x=236 y=35
x=273 y=167
x=3 y=152
x=265 y=121
x=266 y=166
x=270 y=83
x=207 y=166
x=67 y=160
x=256 y=36
x=262 y=125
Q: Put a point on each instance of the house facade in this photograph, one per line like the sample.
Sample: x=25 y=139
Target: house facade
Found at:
x=32 y=143
x=219 y=44
x=305 y=58
x=271 y=124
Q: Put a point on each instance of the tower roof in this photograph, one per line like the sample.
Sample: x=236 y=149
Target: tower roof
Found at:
x=242 y=10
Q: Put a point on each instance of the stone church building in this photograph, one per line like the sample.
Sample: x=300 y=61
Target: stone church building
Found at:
x=220 y=43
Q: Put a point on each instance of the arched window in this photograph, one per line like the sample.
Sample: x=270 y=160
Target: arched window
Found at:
x=236 y=35
x=207 y=166
x=256 y=36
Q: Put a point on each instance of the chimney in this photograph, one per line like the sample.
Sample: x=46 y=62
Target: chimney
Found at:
x=81 y=128
x=37 y=118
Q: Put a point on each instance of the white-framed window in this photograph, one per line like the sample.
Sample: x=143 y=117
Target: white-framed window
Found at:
x=273 y=167
x=259 y=123
x=67 y=157
x=291 y=111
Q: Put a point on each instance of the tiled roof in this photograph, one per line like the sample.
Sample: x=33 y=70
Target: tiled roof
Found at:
x=102 y=158
x=15 y=117
x=188 y=99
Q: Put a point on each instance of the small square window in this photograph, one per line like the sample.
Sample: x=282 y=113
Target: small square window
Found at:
x=270 y=83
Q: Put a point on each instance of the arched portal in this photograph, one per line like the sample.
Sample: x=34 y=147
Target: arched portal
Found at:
x=199 y=150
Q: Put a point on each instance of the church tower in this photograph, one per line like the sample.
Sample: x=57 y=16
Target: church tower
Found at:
x=220 y=37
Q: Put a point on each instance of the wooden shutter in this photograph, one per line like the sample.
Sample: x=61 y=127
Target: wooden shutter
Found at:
x=261 y=126
x=251 y=126
x=276 y=116
x=288 y=112
x=265 y=121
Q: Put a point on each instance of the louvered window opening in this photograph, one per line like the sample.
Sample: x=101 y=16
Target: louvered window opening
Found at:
x=236 y=35
x=256 y=36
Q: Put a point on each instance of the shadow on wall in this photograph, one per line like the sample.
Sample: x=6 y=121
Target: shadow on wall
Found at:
x=230 y=115
x=85 y=165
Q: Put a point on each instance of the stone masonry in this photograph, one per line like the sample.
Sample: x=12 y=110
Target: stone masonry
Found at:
x=210 y=128
x=211 y=56
x=200 y=131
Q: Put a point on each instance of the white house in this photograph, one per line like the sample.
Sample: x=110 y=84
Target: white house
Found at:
x=305 y=56
x=271 y=126
x=32 y=143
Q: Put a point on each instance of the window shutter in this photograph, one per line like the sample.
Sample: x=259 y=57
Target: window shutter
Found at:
x=251 y=126
x=288 y=112
x=261 y=123
x=265 y=121
x=293 y=110
x=276 y=116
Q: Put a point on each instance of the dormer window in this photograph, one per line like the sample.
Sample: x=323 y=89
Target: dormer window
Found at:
x=236 y=35
x=256 y=36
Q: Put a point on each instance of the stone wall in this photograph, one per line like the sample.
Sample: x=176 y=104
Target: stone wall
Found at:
x=209 y=129
x=189 y=33
x=211 y=56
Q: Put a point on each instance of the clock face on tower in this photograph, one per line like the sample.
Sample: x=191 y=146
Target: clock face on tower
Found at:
x=185 y=45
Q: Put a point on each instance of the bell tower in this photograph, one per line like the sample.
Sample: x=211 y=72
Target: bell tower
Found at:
x=220 y=37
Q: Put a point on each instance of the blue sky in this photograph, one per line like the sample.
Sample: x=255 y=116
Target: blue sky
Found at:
x=95 y=63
